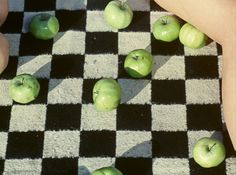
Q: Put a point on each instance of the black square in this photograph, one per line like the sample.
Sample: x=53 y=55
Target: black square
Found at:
x=43 y=93
x=140 y=22
x=67 y=66
x=156 y=7
x=10 y=71
x=204 y=117
x=87 y=96
x=13 y=23
x=121 y=71
x=101 y=42
x=5 y=118
x=131 y=166
x=97 y=143
x=63 y=117
x=201 y=67
x=1 y=166
x=219 y=49
x=170 y=144
x=32 y=46
x=25 y=145
x=166 y=48
x=168 y=92
x=71 y=20
x=42 y=5
x=196 y=169
x=97 y=4
x=134 y=117
x=60 y=166
x=230 y=152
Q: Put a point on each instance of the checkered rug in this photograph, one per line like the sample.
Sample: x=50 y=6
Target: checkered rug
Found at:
x=154 y=129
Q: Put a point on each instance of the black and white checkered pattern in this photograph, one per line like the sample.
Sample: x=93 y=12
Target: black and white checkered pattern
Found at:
x=154 y=129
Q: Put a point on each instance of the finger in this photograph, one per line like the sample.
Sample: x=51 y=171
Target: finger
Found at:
x=3 y=11
x=4 y=52
x=206 y=15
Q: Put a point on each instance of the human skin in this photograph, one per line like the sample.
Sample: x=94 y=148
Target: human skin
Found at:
x=4 y=44
x=217 y=19
x=3 y=11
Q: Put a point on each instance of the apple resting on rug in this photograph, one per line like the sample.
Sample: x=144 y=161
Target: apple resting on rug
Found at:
x=208 y=152
x=166 y=28
x=107 y=171
x=138 y=63
x=118 y=14
x=191 y=37
x=24 y=88
x=44 y=26
x=106 y=94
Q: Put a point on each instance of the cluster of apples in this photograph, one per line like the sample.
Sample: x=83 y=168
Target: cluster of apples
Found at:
x=207 y=152
x=24 y=88
x=168 y=28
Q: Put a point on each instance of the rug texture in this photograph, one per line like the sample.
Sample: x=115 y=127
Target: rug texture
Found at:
x=160 y=117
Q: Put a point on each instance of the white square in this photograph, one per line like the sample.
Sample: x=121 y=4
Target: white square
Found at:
x=14 y=40
x=231 y=166
x=39 y=66
x=69 y=42
x=135 y=91
x=22 y=167
x=96 y=22
x=168 y=67
x=16 y=5
x=202 y=91
x=65 y=91
x=103 y=65
x=133 y=144
x=3 y=145
x=88 y=165
x=58 y=144
x=21 y=121
x=170 y=166
x=140 y=5
x=91 y=119
x=169 y=118
x=71 y=4
x=220 y=65
x=194 y=136
x=129 y=41
x=5 y=99
x=209 y=49
x=27 y=19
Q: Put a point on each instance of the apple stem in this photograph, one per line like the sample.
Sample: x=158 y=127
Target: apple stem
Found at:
x=212 y=146
x=136 y=58
x=164 y=21
x=122 y=3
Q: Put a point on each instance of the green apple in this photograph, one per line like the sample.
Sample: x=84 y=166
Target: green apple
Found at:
x=107 y=171
x=191 y=37
x=106 y=94
x=208 y=152
x=138 y=63
x=24 y=88
x=166 y=28
x=118 y=14
x=44 y=26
